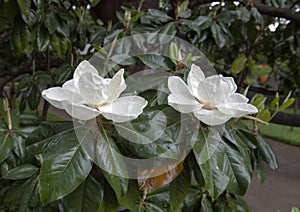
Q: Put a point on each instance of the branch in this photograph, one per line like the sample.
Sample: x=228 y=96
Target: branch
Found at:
x=262 y=8
x=277 y=12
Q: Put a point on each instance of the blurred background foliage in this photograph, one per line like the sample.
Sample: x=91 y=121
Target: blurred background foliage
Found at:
x=256 y=42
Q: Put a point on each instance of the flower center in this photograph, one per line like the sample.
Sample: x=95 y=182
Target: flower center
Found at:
x=207 y=105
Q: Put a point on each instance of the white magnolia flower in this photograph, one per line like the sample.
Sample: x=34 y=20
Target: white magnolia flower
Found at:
x=88 y=95
x=212 y=100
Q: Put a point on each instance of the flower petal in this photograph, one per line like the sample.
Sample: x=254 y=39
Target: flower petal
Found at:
x=177 y=86
x=237 y=97
x=93 y=88
x=183 y=104
x=124 y=109
x=57 y=95
x=80 y=111
x=211 y=117
x=216 y=89
x=83 y=67
x=195 y=76
x=116 y=86
x=237 y=109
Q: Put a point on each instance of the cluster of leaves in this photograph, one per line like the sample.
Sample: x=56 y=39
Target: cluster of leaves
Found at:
x=45 y=168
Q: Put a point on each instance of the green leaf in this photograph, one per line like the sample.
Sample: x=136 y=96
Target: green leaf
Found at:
x=59 y=44
x=109 y=202
x=20 y=172
x=158 y=16
x=42 y=39
x=179 y=187
x=258 y=166
x=247 y=137
x=131 y=199
x=20 y=36
x=286 y=104
x=63 y=170
x=34 y=97
x=87 y=197
x=238 y=64
x=94 y=2
x=29 y=187
x=218 y=35
x=244 y=14
x=274 y=102
x=204 y=150
x=236 y=166
x=6 y=146
x=251 y=63
x=103 y=151
x=264 y=115
x=267 y=152
x=51 y=22
x=173 y=52
x=206 y=205
x=24 y=6
x=48 y=135
x=155 y=61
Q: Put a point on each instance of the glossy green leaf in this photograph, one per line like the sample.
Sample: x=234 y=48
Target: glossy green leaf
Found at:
x=20 y=172
x=267 y=152
x=94 y=2
x=87 y=197
x=179 y=187
x=264 y=115
x=63 y=169
x=216 y=181
x=28 y=195
x=59 y=44
x=103 y=151
x=34 y=97
x=131 y=199
x=206 y=205
x=24 y=6
x=20 y=36
x=173 y=52
x=244 y=14
x=286 y=104
x=258 y=166
x=109 y=202
x=275 y=102
x=48 y=135
x=51 y=22
x=218 y=34
x=155 y=61
x=238 y=64
x=236 y=166
x=6 y=145
x=42 y=39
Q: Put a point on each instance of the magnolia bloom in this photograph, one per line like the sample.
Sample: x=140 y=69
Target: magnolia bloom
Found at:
x=88 y=95
x=212 y=100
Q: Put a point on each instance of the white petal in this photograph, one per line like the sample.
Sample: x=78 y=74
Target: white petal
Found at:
x=183 y=104
x=124 y=109
x=216 y=89
x=177 y=86
x=237 y=97
x=211 y=117
x=116 y=85
x=237 y=109
x=93 y=88
x=83 y=67
x=80 y=111
x=57 y=95
x=69 y=85
x=195 y=76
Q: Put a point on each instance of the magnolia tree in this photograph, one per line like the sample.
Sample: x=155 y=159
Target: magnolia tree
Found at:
x=153 y=126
